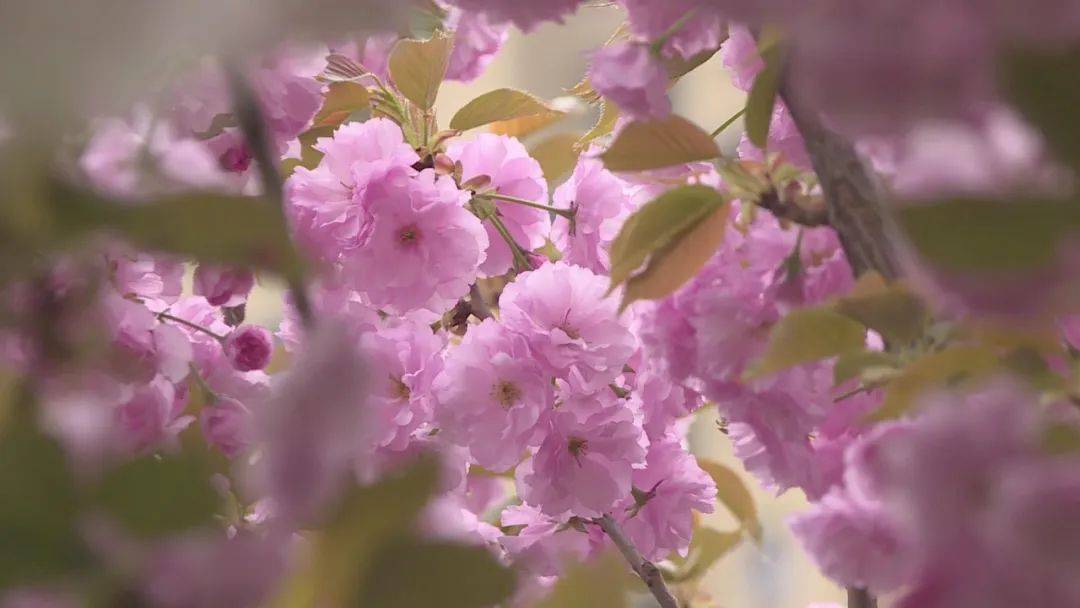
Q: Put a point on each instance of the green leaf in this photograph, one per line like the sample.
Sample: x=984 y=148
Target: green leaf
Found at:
x=342 y=99
x=452 y=575
x=941 y=369
x=156 y=496
x=989 y=236
x=677 y=262
x=762 y=97
x=367 y=520
x=857 y=364
x=1042 y=84
x=891 y=310
x=210 y=227
x=677 y=67
x=656 y=224
x=599 y=583
x=807 y=335
x=731 y=491
x=38 y=504
x=557 y=155
x=418 y=67
x=309 y=156
x=707 y=546
x=655 y=144
x=605 y=123
x=1061 y=439
x=503 y=105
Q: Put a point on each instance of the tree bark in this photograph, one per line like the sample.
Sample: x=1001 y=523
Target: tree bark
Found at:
x=853 y=196
x=646 y=570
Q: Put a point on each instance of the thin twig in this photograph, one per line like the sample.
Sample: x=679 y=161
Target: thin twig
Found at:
x=646 y=570
x=789 y=211
x=164 y=316
x=567 y=213
x=727 y=123
x=477 y=304
x=253 y=125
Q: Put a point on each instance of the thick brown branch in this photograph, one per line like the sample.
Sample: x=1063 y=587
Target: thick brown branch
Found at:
x=646 y=570
x=860 y=598
x=792 y=212
x=853 y=196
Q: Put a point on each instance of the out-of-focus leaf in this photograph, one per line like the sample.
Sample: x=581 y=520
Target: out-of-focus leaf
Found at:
x=38 y=504
x=676 y=263
x=656 y=224
x=1061 y=438
x=227 y=229
x=309 y=156
x=935 y=370
x=731 y=491
x=515 y=112
x=1042 y=84
x=707 y=545
x=599 y=583
x=677 y=67
x=342 y=99
x=855 y=364
x=418 y=68
x=368 y=519
x=418 y=574
x=807 y=335
x=762 y=97
x=557 y=155
x=891 y=310
x=157 y=496
x=655 y=144
x=605 y=123
x=988 y=236
x=218 y=124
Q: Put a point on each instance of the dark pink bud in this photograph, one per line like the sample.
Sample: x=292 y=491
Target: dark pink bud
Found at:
x=236 y=159
x=249 y=347
x=223 y=286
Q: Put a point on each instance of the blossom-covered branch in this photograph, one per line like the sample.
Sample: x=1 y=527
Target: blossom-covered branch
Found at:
x=646 y=570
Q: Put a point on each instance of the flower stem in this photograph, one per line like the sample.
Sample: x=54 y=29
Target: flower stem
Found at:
x=728 y=123
x=164 y=316
x=521 y=261
x=567 y=213
x=646 y=570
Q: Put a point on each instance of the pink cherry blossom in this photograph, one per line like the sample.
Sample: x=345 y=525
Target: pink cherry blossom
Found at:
x=142 y=347
x=423 y=249
x=405 y=359
x=223 y=286
x=326 y=204
x=856 y=543
x=492 y=395
x=585 y=464
x=784 y=139
x=740 y=56
x=700 y=30
x=476 y=42
x=569 y=324
x=526 y=16
x=249 y=347
x=602 y=203
x=542 y=545
x=673 y=487
x=509 y=171
x=632 y=77
x=225 y=424
x=156 y=279
x=312 y=427
x=151 y=417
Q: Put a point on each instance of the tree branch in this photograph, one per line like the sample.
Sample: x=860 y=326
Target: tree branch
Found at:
x=253 y=125
x=771 y=202
x=853 y=197
x=860 y=598
x=646 y=570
